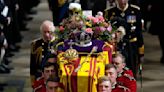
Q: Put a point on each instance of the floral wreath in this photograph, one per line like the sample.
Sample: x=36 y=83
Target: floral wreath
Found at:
x=96 y=25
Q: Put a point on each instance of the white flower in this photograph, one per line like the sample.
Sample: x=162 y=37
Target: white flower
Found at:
x=76 y=6
x=100 y=13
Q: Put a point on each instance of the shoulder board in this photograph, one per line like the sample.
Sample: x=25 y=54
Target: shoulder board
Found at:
x=109 y=8
x=135 y=6
x=130 y=77
x=124 y=88
x=33 y=41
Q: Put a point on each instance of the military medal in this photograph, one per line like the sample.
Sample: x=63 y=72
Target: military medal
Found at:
x=131 y=19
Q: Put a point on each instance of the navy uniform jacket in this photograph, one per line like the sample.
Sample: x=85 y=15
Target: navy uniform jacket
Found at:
x=133 y=40
x=39 y=49
x=40 y=52
x=132 y=16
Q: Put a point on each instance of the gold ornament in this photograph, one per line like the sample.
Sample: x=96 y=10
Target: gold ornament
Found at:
x=71 y=54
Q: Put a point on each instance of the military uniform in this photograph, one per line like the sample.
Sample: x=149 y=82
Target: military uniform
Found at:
x=39 y=52
x=126 y=79
x=126 y=70
x=119 y=88
x=133 y=40
x=39 y=85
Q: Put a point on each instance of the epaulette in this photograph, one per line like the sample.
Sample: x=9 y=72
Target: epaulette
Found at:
x=106 y=13
x=107 y=9
x=130 y=77
x=124 y=88
x=33 y=41
x=135 y=6
x=37 y=39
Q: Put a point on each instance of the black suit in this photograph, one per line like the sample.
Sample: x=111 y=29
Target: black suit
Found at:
x=14 y=27
x=3 y=19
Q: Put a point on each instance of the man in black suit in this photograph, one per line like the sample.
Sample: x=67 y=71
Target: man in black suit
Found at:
x=4 y=22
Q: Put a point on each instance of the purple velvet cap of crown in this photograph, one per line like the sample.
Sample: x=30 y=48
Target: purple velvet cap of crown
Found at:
x=97 y=43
